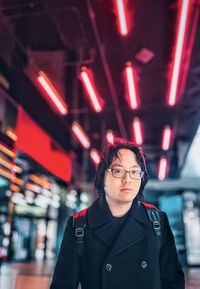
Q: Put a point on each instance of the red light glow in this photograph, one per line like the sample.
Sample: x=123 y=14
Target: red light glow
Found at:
x=51 y=94
x=121 y=16
x=162 y=168
x=131 y=86
x=94 y=154
x=182 y=24
x=137 y=131
x=110 y=136
x=95 y=100
x=80 y=135
x=166 y=138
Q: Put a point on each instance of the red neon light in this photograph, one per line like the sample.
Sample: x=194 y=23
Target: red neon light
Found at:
x=94 y=154
x=110 y=136
x=137 y=131
x=162 y=168
x=86 y=78
x=80 y=135
x=121 y=16
x=182 y=24
x=166 y=138
x=51 y=94
x=131 y=86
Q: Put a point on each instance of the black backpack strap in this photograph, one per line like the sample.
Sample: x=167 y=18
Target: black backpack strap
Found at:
x=154 y=217
x=79 y=224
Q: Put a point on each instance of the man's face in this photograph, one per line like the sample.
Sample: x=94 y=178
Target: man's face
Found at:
x=122 y=190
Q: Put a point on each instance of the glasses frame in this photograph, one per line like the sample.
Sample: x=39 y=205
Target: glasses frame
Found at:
x=125 y=172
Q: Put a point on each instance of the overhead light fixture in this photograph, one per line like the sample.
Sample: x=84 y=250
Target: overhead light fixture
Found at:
x=94 y=154
x=16 y=180
x=14 y=188
x=40 y=181
x=137 y=131
x=121 y=11
x=11 y=134
x=166 y=138
x=18 y=199
x=162 y=169
x=5 y=173
x=7 y=151
x=17 y=169
x=130 y=82
x=51 y=94
x=182 y=24
x=32 y=187
x=87 y=80
x=110 y=136
x=80 y=135
x=10 y=166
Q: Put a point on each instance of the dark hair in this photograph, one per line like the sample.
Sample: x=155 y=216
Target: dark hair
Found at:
x=111 y=152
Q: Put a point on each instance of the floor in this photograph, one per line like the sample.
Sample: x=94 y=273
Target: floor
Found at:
x=38 y=275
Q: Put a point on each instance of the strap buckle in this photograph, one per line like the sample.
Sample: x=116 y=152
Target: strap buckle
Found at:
x=156 y=225
x=79 y=232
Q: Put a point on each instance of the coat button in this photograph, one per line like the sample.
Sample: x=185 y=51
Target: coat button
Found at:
x=143 y=264
x=108 y=267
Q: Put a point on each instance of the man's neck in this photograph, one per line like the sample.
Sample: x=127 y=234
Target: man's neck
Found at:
x=118 y=209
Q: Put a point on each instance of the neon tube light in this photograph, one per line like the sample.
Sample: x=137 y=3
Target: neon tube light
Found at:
x=122 y=17
x=162 y=168
x=131 y=86
x=52 y=94
x=87 y=80
x=137 y=131
x=80 y=135
x=166 y=138
x=178 y=51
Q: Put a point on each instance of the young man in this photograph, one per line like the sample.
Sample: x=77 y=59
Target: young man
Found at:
x=120 y=248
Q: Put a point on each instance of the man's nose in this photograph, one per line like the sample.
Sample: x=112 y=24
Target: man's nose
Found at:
x=127 y=177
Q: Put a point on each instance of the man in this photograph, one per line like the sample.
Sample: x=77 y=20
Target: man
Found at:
x=120 y=249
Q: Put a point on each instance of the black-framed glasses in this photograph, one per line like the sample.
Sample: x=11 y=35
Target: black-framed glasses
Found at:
x=121 y=173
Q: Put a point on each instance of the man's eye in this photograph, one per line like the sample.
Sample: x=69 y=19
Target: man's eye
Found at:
x=117 y=171
x=135 y=172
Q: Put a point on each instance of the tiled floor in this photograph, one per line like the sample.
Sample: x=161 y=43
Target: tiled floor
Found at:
x=37 y=276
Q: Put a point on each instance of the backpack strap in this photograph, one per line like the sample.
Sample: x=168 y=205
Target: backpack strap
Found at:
x=79 y=224
x=154 y=217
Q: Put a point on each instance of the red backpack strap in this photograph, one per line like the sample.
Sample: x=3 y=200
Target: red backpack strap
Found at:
x=154 y=217
x=79 y=223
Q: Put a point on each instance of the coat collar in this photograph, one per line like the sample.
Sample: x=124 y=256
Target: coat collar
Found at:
x=99 y=213
x=100 y=220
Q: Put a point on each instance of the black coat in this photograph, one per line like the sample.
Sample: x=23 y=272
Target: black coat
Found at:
x=133 y=261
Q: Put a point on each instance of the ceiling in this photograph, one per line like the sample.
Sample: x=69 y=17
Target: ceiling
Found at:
x=59 y=37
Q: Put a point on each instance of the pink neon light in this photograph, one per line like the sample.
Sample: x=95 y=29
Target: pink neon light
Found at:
x=178 y=51
x=166 y=138
x=94 y=154
x=122 y=19
x=162 y=168
x=86 y=78
x=137 y=131
x=131 y=87
x=80 y=135
x=52 y=94
x=110 y=136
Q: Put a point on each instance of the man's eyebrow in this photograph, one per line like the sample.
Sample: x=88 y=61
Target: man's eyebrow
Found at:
x=118 y=165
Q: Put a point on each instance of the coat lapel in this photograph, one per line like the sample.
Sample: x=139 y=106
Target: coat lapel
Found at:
x=100 y=221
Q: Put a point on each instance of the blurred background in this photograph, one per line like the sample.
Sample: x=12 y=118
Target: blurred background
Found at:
x=75 y=75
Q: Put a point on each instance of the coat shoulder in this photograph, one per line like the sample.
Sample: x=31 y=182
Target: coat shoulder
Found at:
x=81 y=213
x=149 y=205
